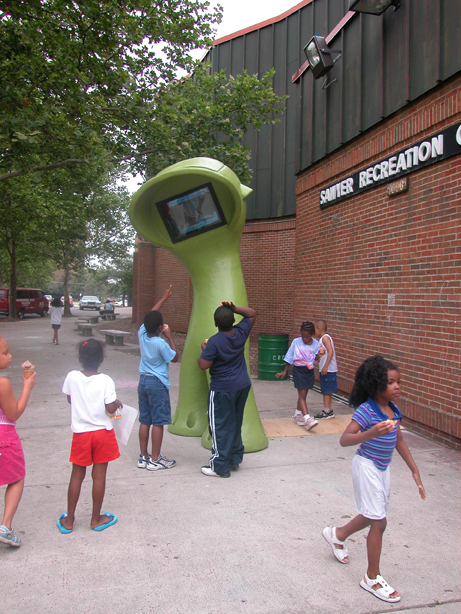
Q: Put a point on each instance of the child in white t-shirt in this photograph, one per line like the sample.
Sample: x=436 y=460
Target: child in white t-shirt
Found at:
x=93 y=399
x=302 y=354
x=55 y=312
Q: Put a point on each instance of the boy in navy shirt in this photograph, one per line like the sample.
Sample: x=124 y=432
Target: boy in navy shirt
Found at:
x=230 y=384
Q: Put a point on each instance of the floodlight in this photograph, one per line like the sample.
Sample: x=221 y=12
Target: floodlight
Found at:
x=319 y=56
x=373 y=7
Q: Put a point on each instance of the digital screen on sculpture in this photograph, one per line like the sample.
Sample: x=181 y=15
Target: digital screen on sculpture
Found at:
x=191 y=213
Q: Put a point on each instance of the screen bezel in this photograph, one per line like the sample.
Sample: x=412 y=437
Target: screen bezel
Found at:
x=198 y=231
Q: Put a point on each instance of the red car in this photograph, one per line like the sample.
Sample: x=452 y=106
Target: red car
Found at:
x=28 y=300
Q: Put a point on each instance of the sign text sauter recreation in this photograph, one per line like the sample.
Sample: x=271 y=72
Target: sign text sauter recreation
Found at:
x=429 y=151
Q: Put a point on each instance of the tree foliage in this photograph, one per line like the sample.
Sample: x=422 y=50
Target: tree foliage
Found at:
x=208 y=115
x=76 y=77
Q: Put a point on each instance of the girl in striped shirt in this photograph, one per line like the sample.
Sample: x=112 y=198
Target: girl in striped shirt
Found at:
x=375 y=428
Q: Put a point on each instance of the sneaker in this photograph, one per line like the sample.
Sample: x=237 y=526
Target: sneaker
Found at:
x=299 y=419
x=143 y=461
x=234 y=467
x=160 y=463
x=9 y=537
x=323 y=415
x=310 y=423
x=209 y=471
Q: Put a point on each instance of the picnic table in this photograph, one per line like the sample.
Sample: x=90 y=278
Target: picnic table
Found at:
x=114 y=337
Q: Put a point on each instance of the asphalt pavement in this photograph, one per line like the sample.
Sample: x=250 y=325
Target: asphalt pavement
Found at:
x=190 y=544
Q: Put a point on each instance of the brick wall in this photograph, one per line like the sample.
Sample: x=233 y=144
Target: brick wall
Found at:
x=267 y=255
x=370 y=248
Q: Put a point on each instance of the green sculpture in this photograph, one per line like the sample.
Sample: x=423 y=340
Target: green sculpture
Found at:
x=196 y=210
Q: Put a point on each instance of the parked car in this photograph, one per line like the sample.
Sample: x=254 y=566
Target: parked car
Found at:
x=28 y=300
x=71 y=302
x=48 y=297
x=90 y=302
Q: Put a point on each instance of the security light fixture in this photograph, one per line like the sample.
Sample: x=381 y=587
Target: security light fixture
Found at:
x=319 y=56
x=372 y=7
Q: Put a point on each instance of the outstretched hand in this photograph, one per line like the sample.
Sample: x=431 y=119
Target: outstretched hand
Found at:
x=168 y=292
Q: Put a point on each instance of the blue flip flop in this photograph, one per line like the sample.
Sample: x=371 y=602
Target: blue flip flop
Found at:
x=113 y=520
x=61 y=527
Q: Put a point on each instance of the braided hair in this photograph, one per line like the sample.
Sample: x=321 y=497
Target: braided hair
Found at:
x=370 y=378
x=309 y=327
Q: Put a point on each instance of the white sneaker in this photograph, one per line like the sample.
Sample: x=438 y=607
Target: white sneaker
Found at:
x=310 y=423
x=209 y=471
x=160 y=463
x=143 y=461
x=299 y=419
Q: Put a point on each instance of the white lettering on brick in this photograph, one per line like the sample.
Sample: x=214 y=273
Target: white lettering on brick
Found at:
x=424 y=151
x=437 y=146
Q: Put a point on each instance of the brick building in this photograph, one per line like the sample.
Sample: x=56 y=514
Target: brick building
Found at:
x=356 y=211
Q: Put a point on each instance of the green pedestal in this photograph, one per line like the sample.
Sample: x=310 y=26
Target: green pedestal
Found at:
x=213 y=262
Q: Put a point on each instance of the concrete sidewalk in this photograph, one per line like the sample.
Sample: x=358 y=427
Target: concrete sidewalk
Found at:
x=188 y=544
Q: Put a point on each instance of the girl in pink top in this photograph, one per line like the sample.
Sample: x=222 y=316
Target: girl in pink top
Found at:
x=12 y=466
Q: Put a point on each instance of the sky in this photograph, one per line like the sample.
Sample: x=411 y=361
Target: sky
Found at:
x=237 y=15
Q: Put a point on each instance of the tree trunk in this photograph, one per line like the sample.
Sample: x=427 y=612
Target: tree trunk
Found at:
x=13 y=281
x=67 y=312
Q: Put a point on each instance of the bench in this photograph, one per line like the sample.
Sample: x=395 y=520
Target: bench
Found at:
x=114 y=337
x=89 y=319
x=108 y=315
x=85 y=328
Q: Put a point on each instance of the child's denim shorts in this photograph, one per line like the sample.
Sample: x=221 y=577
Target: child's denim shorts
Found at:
x=153 y=400
x=328 y=384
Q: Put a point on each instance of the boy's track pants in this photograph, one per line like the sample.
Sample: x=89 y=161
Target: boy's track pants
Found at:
x=225 y=417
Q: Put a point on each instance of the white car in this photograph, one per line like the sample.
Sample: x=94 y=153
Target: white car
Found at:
x=90 y=302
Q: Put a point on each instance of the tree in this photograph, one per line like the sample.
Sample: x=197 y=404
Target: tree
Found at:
x=77 y=77
x=86 y=227
x=208 y=115
x=23 y=204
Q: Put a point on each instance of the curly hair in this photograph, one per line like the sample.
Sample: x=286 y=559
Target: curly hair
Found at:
x=90 y=353
x=370 y=378
x=224 y=318
x=309 y=327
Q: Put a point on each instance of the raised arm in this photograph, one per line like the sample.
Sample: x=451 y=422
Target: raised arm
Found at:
x=166 y=332
x=15 y=408
x=168 y=292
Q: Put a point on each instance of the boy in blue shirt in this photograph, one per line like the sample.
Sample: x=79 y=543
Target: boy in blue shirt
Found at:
x=230 y=385
x=154 y=385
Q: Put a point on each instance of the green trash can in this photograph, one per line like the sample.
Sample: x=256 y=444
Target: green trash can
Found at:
x=271 y=352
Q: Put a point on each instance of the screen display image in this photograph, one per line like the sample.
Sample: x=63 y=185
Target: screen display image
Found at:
x=191 y=213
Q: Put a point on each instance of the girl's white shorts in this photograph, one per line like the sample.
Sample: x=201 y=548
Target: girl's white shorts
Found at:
x=371 y=488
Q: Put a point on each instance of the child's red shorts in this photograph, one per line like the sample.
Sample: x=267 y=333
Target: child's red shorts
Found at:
x=93 y=447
